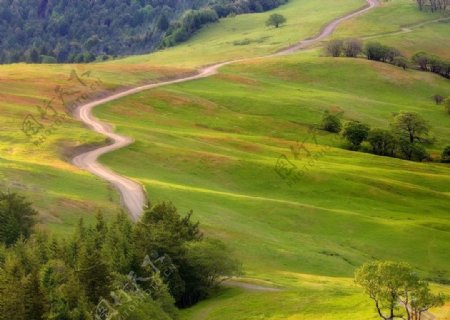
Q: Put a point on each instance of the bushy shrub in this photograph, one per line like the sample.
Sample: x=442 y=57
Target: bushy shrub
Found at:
x=355 y=132
x=379 y=52
x=331 y=122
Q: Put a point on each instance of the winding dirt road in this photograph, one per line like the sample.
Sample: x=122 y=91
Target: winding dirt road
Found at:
x=132 y=193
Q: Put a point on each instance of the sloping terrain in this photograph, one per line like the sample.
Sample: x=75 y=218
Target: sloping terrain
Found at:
x=214 y=146
x=44 y=169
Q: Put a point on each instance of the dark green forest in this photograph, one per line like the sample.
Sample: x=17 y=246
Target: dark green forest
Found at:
x=50 y=31
x=110 y=270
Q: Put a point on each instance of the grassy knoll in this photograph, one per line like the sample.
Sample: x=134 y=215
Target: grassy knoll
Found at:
x=213 y=145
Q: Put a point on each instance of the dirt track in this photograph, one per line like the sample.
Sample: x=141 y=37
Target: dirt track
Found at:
x=132 y=193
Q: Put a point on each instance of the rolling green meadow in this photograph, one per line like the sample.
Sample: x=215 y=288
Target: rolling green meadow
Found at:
x=213 y=145
x=63 y=192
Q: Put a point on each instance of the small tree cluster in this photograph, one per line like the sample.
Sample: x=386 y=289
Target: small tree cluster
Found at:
x=379 y=52
x=396 y=290
x=432 y=63
x=406 y=138
x=350 y=48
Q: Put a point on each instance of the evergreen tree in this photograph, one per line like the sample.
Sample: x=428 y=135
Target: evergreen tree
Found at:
x=34 y=298
x=11 y=290
x=16 y=217
x=163 y=23
x=93 y=272
x=34 y=56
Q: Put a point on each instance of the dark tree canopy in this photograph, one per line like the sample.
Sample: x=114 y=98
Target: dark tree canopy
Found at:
x=79 y=31
x=16 y=218
x=446 y=155
x=355 y=132
x=383 y=142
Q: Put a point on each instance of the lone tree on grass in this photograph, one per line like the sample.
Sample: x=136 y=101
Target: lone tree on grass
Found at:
x=411 y=131
x=276 y=20
x=396 y=290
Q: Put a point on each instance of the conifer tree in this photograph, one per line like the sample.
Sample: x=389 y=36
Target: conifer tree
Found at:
x=93 y=272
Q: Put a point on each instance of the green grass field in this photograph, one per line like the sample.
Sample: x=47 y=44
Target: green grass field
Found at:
x=400 y=24
x=431 y=38
x=213 y=145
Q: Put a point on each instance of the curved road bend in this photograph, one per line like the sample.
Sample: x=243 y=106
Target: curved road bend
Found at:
x=132 y=193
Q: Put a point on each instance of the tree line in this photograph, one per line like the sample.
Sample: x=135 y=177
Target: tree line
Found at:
x=376 y=51
x=84 y=31
x=406 y=138
x=116 y=268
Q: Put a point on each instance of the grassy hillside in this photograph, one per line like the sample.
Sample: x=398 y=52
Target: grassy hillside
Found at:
x=399 y=23
x=213 y=145
x=431 y=38
x=40 y=172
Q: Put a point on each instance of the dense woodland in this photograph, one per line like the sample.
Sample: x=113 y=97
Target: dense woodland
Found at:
x=83 y=31
x=111 y=270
